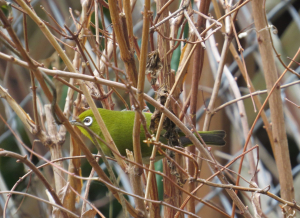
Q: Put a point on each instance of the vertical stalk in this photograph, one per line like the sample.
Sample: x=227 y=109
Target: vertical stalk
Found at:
x=196 y=74
x=125 y=52
x=281 y=149
x=127 y=10
x=33 y=87
x=55 y=150
x=163 y=45
x=137 y=122
x=97 y=30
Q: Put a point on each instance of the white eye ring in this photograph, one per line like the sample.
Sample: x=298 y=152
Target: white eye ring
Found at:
x=88 y=121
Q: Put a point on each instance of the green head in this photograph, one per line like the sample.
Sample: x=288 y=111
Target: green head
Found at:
x=87 y=118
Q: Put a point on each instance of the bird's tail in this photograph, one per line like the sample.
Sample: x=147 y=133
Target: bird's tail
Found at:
x=215 y=137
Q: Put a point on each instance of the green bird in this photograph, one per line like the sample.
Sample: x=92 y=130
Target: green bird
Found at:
x=120 y=126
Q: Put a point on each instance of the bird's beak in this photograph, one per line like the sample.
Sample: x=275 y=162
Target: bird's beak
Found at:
x=74 y=122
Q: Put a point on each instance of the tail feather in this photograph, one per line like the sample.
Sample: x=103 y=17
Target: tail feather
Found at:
x=215 y=137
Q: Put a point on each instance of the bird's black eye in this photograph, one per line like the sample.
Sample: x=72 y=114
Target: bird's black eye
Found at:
x=88 y=121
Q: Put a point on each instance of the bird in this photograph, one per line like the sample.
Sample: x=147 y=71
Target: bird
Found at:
x=120 y=126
